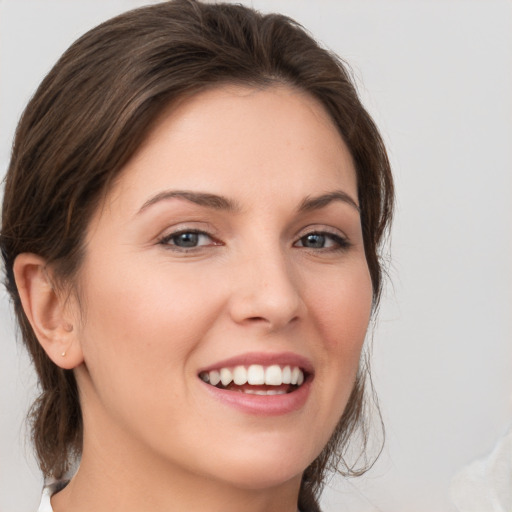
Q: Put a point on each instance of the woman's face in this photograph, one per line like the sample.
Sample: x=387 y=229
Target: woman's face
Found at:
x=230 y=247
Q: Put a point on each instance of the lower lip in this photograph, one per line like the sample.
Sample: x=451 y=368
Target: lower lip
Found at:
x=263 y=405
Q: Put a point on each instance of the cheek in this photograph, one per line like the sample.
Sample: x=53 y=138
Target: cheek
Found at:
x=141 y=326
x=140 y=298
x=342 y=310
x=342 y=307
x=140 y=332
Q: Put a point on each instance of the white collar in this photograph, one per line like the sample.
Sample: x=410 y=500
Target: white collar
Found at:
x=48 y=491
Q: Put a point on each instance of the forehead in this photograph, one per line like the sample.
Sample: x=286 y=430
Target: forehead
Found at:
x=234 y=140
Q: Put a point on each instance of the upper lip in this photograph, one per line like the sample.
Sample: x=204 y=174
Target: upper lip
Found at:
x=264 y=359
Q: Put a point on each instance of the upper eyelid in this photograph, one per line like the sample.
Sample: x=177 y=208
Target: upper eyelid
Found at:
x=166 y=241
x=320 y=229
x=322 y=232
x=209 y=231
x=186 y=230
x=334 y=236
x=186 y=227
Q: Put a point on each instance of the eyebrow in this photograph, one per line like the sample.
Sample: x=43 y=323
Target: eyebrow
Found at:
x=213 y=201
x=318 y=202
x=217 y=202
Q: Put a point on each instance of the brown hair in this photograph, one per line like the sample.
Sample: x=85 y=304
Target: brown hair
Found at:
x=89 y=116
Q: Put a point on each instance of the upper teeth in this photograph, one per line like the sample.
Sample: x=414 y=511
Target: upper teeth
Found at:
x=255 y=374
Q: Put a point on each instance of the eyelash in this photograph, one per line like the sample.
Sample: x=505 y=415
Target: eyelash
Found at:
x=165 y=240
x=340 y=243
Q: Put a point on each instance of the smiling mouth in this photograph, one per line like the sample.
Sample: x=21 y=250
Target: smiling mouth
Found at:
x=256 y=379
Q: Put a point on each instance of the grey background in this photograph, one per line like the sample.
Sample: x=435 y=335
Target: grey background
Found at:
x=437 y=77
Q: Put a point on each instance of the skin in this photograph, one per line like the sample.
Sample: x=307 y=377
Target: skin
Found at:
x=151 y=314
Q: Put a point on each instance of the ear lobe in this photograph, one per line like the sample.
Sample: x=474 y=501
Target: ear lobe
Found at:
x=46 y=311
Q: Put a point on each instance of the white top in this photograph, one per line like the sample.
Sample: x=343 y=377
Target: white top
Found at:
x=486 y=484
x=45 y=505
x=48 y=491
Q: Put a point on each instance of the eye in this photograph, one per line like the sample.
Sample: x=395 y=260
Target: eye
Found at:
x=322 y=240
x=188 y=239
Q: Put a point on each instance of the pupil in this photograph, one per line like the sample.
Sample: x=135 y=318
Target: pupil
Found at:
x=315 y=241
x=187 y=240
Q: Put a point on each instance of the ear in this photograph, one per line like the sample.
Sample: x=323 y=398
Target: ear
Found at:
x=48 y=311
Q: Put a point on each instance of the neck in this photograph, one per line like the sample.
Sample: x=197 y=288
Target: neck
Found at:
x=116 y=474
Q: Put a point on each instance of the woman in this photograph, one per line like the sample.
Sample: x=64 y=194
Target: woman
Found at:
x=190 y=231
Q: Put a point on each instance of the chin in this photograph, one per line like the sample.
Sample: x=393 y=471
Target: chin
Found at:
x=250 y=476
x=269 y=464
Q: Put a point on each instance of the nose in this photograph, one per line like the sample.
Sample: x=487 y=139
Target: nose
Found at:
x=266 y=291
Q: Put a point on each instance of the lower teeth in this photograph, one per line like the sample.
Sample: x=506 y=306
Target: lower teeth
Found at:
x=258 y=391
x=263 y=392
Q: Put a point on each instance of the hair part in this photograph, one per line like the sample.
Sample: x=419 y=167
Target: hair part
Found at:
x=93 y=111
